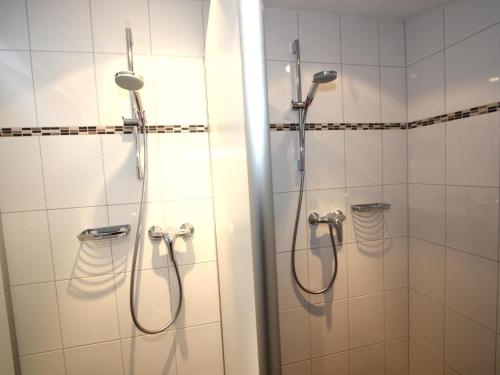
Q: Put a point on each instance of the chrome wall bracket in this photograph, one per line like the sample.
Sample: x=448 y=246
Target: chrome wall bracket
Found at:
x=334 y=218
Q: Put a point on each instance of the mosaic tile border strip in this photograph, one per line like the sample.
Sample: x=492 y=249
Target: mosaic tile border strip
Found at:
x=93 y=130
x=470 y=112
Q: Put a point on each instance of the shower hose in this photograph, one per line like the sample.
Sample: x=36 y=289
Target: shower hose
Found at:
x=138 y=235
x=296 y=227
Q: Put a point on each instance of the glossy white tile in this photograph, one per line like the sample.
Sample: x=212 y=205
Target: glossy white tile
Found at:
x=394 y=156
x=321 y=268
x=285 y=209
x=397 y=357
x=466 y=17
x=424 y=35
x=425 y=88
x=171 y=18
x=281 y=91
x=16 y=92
x=427 y=212
x=284 y=158
x=281 y=29
x=396 y=313
x=366 y=320
x=366 y=268
x=29 y=257
x=294 y=326
x=363 y=158
x=472 y=220
x=289 y=293
x=88 y=310
x=77 y=179
x=471 y=286
x=395 y=218
x=393 y=94
x=52 y=29
x=21 y=191
x=364 y=226
x=422 y=361
x=51 y=363
x=329 y=328
x=33 y=337
x=111 y=17
x=325 y=164
x=395 y=263
x=299 y=368
x=335 y=364
x=93 y=359
x=472 y=72
x=426 y=155
x=427 y=268
x=319 y=37
x=359 y=40
x=392 y=42
x=367 y=360
x=13 y=25
x=361 y=89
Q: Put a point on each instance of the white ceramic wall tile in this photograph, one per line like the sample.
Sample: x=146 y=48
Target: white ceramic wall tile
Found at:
x=206 y=12
x=392 y=42
x=152 y=300
x=32 y=336
x=51 y=363
x=281 y=91
x=319 y=37
x=364 y=226
x=201 y=299
x=299 y=368
x=449 y=371
x=359 y=40
x=199 y=350
x=422 y=361
x=152 y=254
x=395 y=263
x=289 y=293
x=366 y=268
x=335 y=364
x=28 y=257
x=427 y=268
x=329 y=328
x=111 y=17
x=472 y=220
x=396 y=357
x=393 y=94
x=284 y=157
x=65 y=88
x=471 y=286
x=396 y=218
x=321 y=268
x=88 y=310
x=73 y=258
x=94 y=359
x=395 y=156
x=141 y=354
x=16 y=92
x=325 y=164
x=21 y=191
x=480 y=166
x=77 y=179
x=324 y=201
x=396 y=313
x=154 y=189
x=427 y=212
x=426 y=155
x=171 y=18
x=427 y=323
x=285 y=208
x=328 y=100
x=466 y=17
x=472 y=72
x=185 y=162
x=114 y=102
x=294 y=327
x=52 y=29
x=425 y=88
x=368 y=360
x=363 y=157
x=361 y=89
x=366 y=320
x=199 y=212
x=281 y=28
x=470 y=347
x=424 y=35
x=179 y=87
x=13 y=25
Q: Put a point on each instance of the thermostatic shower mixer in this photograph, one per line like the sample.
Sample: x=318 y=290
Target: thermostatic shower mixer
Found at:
x=334 y=218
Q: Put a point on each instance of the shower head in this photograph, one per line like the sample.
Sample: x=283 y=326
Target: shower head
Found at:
x=324 y=76
x=129 y=80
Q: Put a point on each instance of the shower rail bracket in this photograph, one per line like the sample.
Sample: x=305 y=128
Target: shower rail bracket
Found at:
x=368 y=207
x=104 y=233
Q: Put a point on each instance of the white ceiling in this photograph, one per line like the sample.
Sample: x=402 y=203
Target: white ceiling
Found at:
x=377 y=8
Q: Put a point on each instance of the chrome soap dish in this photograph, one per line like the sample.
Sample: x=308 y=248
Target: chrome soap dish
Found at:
x=104 y=233
x=367 y=207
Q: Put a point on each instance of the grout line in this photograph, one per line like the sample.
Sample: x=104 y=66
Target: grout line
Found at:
x=445 y=196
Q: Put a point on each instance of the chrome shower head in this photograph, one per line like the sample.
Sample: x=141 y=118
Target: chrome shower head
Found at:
x=319 y=78
x=129 y=80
